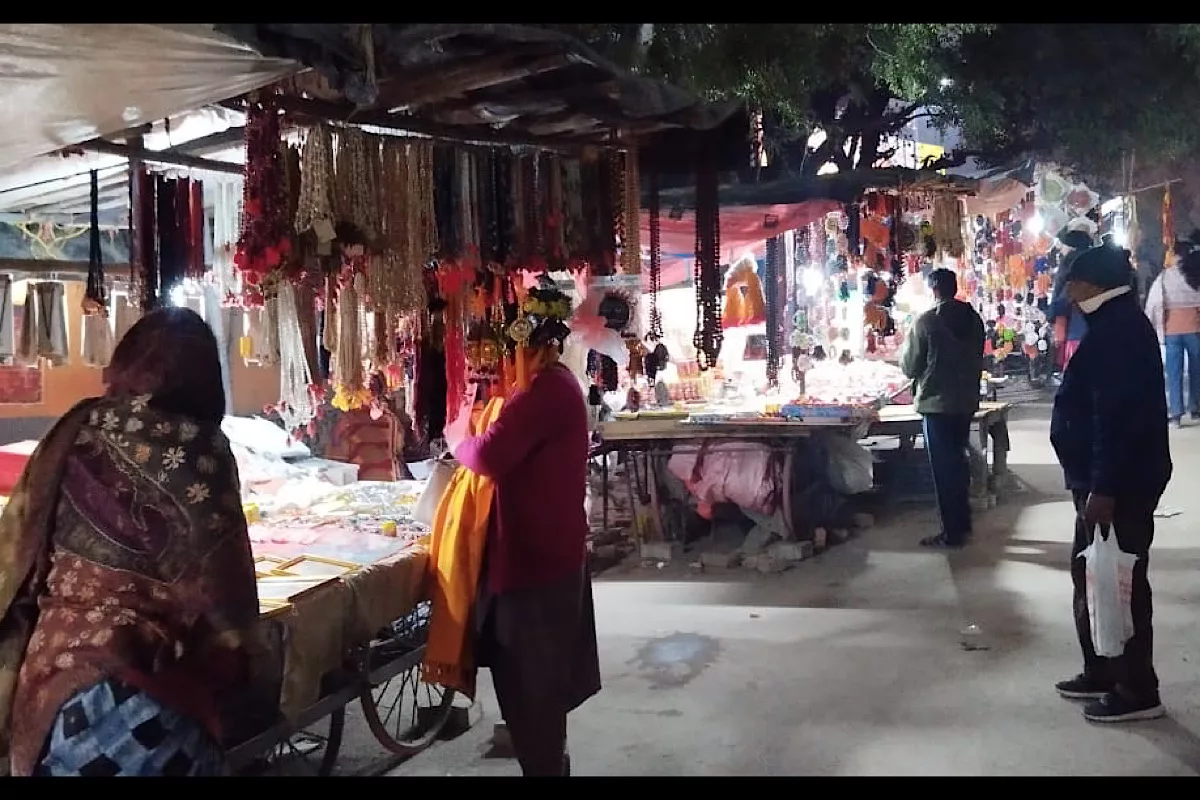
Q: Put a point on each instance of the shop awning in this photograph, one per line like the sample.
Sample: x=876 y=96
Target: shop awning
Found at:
x=61 y=85
x=743 y=229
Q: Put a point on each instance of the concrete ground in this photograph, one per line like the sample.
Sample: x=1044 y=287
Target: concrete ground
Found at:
x=854 y=663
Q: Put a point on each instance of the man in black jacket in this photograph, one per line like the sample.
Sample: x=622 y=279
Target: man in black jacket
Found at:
x=1109 y=430
x=944 y=358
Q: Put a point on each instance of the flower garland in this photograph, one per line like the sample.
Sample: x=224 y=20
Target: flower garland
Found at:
x=265 y=240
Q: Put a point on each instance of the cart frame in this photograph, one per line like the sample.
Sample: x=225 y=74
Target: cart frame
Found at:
x=397 y=649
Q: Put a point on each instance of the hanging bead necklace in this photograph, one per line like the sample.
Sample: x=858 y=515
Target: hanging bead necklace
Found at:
x=296 y=406
x=707 y=271
x=315 y=205
x=771 y=300
x=656 y=331
x=227 y=202
x=631 y=204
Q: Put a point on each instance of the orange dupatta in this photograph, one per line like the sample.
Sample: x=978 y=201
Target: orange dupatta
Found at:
x=455 y=561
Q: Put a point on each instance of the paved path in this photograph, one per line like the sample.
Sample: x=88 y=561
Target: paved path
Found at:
x=853 y=663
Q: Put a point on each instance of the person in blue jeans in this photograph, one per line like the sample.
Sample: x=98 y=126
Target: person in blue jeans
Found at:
x=944 y=358
x=1173 y=306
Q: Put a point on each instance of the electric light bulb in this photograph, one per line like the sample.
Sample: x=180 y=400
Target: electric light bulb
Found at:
x=1036 y=224
x=812 y=280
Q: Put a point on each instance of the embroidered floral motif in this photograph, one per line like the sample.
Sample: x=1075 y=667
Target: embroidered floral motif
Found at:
x=111 y=421
x=198 y=493
x=142 y=453
x=173 y=458
x=139 y=403
x=133 y=425
x=162 y=430
x=188 y=431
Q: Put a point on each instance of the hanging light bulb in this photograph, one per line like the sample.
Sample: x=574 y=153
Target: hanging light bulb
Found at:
x=812 y=280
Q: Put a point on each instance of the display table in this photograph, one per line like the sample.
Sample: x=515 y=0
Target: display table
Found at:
x=655 y=438
x=325 y=625
x=990 y=425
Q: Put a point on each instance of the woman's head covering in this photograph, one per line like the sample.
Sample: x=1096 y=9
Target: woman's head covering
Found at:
x=170 y=354
x=542 y=322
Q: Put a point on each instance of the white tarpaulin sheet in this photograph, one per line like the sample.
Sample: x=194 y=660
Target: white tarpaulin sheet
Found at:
x=65 y=84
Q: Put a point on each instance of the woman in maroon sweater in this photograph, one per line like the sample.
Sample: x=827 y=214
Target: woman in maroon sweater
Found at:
x=535 y=616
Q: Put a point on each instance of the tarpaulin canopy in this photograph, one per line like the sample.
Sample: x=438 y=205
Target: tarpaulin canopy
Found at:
x=62 y=85
x=744 y=229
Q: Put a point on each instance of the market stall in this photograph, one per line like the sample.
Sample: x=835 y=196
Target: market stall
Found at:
x=376 y=268
x=777 y=359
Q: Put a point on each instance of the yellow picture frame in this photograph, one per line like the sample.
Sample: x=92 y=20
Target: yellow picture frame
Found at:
x=318 y=566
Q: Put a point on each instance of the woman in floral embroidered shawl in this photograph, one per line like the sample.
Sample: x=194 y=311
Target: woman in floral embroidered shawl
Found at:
x=126 y=580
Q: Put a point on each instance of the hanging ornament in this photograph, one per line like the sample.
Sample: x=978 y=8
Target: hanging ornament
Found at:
x=656 y=330
x=709 y=336
x=771 y=296
x=265 y=240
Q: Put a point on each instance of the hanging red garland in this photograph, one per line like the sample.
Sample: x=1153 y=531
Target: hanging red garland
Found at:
x=265 y=242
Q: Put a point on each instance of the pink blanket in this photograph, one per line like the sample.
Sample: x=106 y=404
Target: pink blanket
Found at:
x=741 y=473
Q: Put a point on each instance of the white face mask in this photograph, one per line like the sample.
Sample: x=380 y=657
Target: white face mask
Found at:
x=1092 y=304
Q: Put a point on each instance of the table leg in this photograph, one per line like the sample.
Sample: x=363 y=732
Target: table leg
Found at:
x=1000 y=448
x=785 y=488
x=604 y=488
x=977 y=453
x=652 y=488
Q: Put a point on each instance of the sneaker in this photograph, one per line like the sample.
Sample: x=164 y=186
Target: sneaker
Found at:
x=1195 y=415
x=940 y=541
x=1116 y=707
x=1081 y=687
x=1177 y=422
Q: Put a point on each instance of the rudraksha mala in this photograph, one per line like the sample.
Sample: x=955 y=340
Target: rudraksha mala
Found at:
x=656 y=331
x=771 y=300
x=708 y=337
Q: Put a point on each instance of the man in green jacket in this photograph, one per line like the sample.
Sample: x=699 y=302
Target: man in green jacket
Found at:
x=944 y=358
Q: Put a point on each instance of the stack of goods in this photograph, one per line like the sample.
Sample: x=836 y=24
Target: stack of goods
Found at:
x=847 y=390
x=693 y=385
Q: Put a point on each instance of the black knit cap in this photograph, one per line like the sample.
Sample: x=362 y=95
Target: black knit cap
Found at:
x=1105 y=267
x=1077 y=240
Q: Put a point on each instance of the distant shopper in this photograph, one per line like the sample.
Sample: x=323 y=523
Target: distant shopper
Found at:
x=1109 y=430
x=1173 y=306
x=1070 y=324
x=944 y=358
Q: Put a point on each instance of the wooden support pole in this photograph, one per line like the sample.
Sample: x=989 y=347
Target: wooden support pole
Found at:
x=167 y=157
x=135 y=210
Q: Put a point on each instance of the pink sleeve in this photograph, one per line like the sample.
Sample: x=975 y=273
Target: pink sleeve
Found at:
x=527 y=419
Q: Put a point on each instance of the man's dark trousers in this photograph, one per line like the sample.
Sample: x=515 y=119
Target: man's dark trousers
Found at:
x=1133 y=672
x=946 y=440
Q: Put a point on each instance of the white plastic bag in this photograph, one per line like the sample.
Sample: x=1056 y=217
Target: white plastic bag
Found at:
x=1109 y=588
x=851 y=466
x=439 y=480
